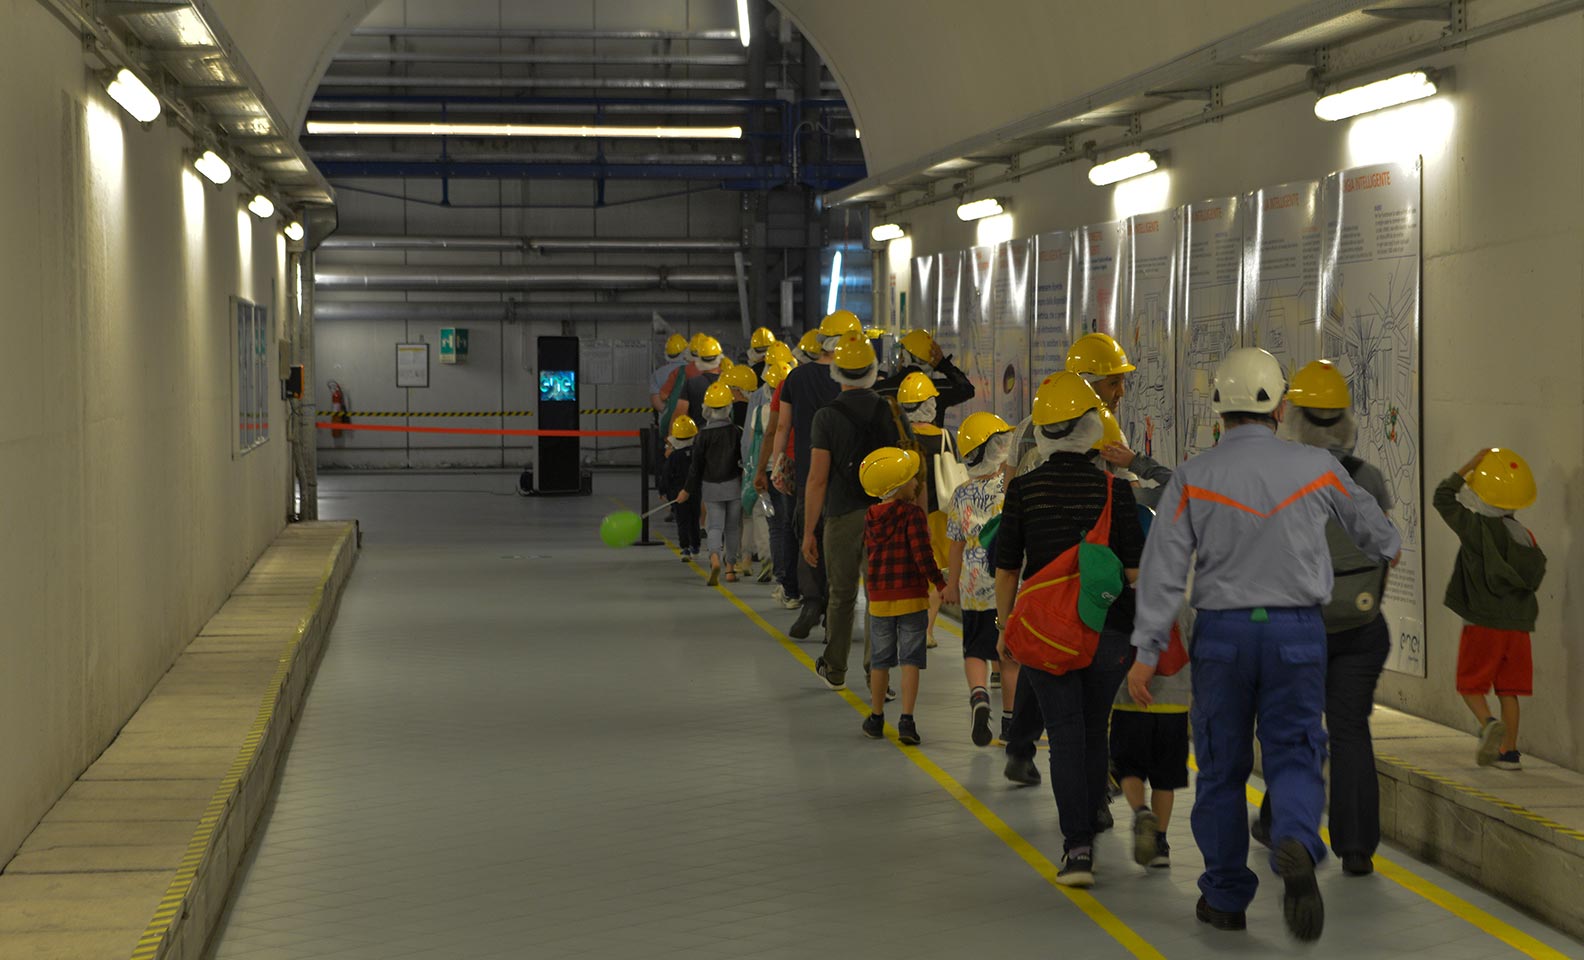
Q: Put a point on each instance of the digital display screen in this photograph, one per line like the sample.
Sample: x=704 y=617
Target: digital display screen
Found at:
x=558 y=385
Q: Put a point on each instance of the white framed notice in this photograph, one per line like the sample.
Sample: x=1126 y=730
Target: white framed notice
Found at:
x=412 y=364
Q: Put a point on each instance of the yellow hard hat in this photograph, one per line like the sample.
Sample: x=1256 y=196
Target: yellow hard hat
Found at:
x=1320 y=385
x=919 y=343
x=1098 y=355
x=1111 y=431
x=1503 y=480
x=741 y=377
x=811 y=345
x=854 y=353
x=886 y=469
x=775 y=372
x=718 y=395
x=874 y=333
x=778 y=352
x=698 y=340
x=675 y=344
x=707 y=347
x=1062 y=397
x=977 y=428
x=916 y=388
x=683 y=428
x=839 y=323
x=762 y=338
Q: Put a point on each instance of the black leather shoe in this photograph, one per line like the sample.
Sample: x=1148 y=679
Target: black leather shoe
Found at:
x=1260 y=831
x=807 y=620
x=1357 y=865
x=1302 y=907
x=1220 y=919
x=1021 y=770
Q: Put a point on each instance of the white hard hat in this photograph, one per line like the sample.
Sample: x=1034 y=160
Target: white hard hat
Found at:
x=1249 y=380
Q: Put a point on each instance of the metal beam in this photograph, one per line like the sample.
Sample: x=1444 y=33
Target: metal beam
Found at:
x=530 y=83
x=1429 y=11
x=601 y=59
x=491 y=33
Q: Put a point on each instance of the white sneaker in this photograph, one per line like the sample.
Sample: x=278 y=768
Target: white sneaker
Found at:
x=778 y=594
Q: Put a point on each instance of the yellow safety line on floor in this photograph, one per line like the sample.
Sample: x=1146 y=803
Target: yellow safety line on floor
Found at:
x=1082 y=899
x=1440 y=896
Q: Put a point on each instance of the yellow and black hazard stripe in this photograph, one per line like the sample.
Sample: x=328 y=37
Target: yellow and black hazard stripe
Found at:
x=613 y=410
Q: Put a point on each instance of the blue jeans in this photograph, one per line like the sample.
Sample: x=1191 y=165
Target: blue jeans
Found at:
x=723 y=525
x=898 y=639
x=1273 y=671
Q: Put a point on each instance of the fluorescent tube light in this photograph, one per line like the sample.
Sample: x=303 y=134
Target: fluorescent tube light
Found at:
x=294 y=232
x=1403 y=88
x=364 y=128
x=742 y=21
x=212 y=167
x=134 y=97
x=835 y=283
x=1122 y=168
x=978 y=209
x=887 y=231
x=262 y=207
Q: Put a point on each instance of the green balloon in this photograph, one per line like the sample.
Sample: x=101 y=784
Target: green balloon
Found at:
x=621 y=529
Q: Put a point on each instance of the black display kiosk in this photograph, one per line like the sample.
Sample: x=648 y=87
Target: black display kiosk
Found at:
x=558 y=468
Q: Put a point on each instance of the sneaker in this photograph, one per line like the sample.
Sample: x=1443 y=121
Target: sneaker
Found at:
x=806 y=621
x=1358 y=864
x=1103 y=820
x=1302 y=907
x=1220 y=919
x=822 y=670
x=1510 y=760
x=1021 y=770
x=890 y=694
x=1006 y=729
x=1077 y=869
x=1260 y=831
x=791 y=603
x=874 y=726
x=687 y=556
x=1162 y=857
x=979 y=714
x=1490 y=739
x=778 y=593
x=907 y=731
x=766 y=573
x=1145 y=828
x=995 y=678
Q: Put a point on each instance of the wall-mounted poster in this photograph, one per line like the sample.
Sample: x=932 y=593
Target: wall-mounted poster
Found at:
x=1369 y=302
x=412 y=364
x=1099 y=263
x=976 y=331
x=1053 y=264
x=1281 y=272
x=262 y=338
x=1011 y=300
x=1146 y=329
x=947 y=329
x=1212 y=261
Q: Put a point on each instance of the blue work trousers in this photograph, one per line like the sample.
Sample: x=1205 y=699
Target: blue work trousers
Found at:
x=1270 y=666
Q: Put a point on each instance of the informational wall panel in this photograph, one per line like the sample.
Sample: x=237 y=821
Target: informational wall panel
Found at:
x=976 y=330
x=1099 y=259
x=1146 y=328
x=1212 y=264
x=1052 y=287
x=1011 y=302
x=1281 y=272
x=1369 y=301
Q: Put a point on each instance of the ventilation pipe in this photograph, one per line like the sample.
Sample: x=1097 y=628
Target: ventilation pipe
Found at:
x=534 y=244
x=433 y=312
x=505 y=279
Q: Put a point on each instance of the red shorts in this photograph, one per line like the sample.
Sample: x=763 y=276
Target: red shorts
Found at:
x=1494 y=658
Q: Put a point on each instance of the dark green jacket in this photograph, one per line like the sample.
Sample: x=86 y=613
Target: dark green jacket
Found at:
x=1495 y=577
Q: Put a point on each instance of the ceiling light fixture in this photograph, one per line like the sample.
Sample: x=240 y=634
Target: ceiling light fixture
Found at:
x=742 y=21
x=294 y=232
x=1403 y=88
x=261 y=207
x=979 y=209
x=835 y=283
x=216 y=170
x=1124 y=168
x=363 y=128
x=133 y=95
x=886 y=232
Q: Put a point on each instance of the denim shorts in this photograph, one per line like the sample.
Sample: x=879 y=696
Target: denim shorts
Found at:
x=899 y=638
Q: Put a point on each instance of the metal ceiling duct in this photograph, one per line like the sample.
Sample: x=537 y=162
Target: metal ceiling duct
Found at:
x=329 y=277
x=454 y=155
x=536 y=244
x=427 y=311
x=451 y=107
x=545 y=59
x=516 y=83
x=492 y=33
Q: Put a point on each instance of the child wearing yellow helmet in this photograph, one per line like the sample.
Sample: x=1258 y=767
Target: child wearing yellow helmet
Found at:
x=715 y=479
x=1494 y=583
x=673 y=480
x=901 y=569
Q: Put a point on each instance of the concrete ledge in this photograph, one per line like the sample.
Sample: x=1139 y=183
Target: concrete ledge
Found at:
x=1516 y=834
x=136 y=859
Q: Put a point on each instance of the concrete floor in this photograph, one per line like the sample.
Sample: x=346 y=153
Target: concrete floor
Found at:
x=521 y=743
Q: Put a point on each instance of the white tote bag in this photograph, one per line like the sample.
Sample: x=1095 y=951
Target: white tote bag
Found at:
x=949 y=471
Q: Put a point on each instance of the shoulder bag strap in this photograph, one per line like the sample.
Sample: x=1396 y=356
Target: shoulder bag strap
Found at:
x=1101 y=532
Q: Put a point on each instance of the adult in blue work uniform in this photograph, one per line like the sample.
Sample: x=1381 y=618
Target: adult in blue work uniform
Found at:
x=1250 y=517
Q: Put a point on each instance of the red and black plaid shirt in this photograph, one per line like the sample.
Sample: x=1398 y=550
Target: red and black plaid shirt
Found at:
x=901 y=561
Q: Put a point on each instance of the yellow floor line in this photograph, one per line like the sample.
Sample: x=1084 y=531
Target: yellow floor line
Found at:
x=1082 y=899
x=1440 y=896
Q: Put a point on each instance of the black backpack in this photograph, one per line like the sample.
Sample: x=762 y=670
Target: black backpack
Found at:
x=876 y=430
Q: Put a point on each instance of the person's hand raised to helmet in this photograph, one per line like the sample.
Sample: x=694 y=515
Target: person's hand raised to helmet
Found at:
x=1119 y=454
x=936 y=354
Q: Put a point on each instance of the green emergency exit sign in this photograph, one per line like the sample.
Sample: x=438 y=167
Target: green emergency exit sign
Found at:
x=453 y=344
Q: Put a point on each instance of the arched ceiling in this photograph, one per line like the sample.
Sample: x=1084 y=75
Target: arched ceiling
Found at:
x=289 y=43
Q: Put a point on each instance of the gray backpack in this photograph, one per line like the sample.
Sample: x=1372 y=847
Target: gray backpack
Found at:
x=1359 y=580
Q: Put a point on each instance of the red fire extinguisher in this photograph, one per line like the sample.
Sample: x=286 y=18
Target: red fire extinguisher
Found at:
x=338 y=409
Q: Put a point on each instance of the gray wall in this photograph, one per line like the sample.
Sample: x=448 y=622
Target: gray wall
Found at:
x=125 y=516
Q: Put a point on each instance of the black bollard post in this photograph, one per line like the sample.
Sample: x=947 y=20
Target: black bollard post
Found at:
x=646 y=440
